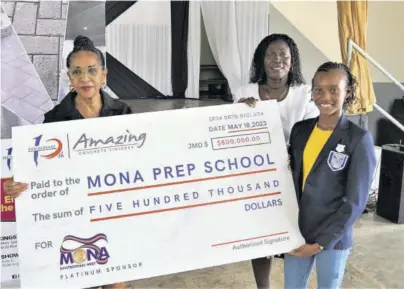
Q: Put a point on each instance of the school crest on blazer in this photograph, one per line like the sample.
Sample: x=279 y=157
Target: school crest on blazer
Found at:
x=337 y=160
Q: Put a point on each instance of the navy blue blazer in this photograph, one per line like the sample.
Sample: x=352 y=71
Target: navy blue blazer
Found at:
x=337 y=187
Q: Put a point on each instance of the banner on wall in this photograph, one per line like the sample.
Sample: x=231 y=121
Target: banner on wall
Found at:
x=9 y=252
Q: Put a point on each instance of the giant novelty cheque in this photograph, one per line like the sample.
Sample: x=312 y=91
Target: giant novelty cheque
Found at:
x=136 y=196
x=9 y=251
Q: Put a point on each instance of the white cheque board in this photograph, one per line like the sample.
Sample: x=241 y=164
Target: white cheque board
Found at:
x=135 y=196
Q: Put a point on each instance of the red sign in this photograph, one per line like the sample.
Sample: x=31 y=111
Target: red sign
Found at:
x=7 y=206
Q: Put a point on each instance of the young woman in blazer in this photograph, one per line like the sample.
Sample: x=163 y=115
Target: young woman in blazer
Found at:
x=276 y=74
x=332 y=162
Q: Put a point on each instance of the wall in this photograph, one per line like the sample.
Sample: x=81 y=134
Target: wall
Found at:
x=311 y=56
x=386 y=46
x=386 y=38
x=314 y=26
x=41 y=27
x=318 y=23
x=24 y=98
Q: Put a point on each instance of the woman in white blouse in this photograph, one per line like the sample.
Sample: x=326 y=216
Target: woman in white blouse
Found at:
x=276 y=74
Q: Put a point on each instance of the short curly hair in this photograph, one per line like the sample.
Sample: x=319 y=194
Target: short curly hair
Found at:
x=257 y=71
x=350 y=78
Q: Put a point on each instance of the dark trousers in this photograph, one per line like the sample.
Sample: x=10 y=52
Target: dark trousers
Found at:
x=262 y=271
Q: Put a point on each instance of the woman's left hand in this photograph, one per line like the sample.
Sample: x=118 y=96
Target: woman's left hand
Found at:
x=306 y=250
x=250 y=101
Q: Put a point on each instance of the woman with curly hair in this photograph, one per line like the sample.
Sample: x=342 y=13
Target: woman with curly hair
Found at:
x=276 y=74
x=332 y=162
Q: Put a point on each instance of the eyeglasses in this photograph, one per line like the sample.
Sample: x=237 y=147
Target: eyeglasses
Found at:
x=79 y=73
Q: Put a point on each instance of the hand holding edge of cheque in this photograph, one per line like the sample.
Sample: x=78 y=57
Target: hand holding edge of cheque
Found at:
x=14 y=189
x=306 y=250
x=250 y=101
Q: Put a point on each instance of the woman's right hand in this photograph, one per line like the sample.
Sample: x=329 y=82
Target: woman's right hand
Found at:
x=250 y=101
x=14 y=189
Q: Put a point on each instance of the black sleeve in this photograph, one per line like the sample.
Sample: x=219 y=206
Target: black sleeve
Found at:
x=290 y=147
x=49 y=117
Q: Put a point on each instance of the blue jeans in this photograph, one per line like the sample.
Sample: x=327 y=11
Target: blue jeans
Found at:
x=330 y=267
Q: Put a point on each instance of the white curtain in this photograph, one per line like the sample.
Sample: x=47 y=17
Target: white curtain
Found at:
x=252 y=19
x=220 y=24
x=140 y=39
x=194 y=49
x=234 y=29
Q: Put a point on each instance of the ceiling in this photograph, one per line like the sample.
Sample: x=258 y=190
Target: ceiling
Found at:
x=86 y=18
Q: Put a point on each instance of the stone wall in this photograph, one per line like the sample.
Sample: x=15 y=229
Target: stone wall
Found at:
x=41 y=26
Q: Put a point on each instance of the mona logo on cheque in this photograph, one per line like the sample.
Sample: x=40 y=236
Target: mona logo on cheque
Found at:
x=78 y=252
x=86 y=257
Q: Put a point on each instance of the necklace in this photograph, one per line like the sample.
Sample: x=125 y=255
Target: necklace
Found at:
x=283 y=96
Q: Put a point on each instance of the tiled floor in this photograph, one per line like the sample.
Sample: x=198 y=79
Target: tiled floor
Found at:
x=22 y=91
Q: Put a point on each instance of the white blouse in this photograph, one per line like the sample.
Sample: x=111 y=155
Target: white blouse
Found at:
x=296 y=107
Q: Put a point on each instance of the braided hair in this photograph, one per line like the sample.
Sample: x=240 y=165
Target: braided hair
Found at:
x=257 y=71
x=350 y=78
x=83 y=43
